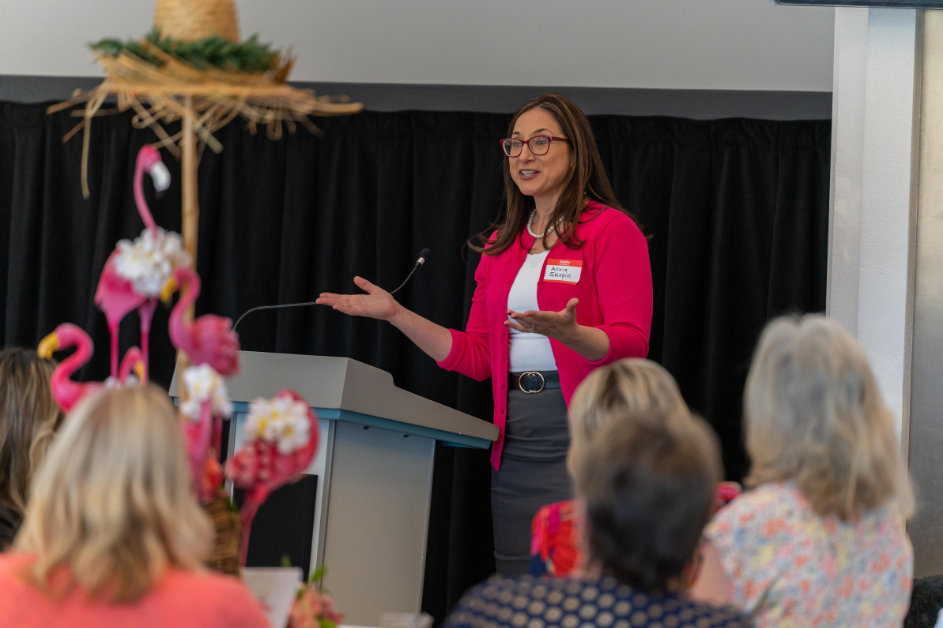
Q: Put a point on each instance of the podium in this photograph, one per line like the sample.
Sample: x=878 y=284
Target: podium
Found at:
x=372 y=472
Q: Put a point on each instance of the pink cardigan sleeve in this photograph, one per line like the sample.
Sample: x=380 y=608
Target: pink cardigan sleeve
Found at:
x=471 y=351
x=624 y=288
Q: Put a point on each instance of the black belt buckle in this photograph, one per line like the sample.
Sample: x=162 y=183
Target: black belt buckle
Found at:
x=530 y=375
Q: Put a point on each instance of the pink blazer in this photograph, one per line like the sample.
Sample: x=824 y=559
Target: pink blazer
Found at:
x=614 y=286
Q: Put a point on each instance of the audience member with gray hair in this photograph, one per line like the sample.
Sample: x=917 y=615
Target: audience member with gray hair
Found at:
x=821 y=539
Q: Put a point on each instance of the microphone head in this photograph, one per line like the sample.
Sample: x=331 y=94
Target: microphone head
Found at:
x=424 y=255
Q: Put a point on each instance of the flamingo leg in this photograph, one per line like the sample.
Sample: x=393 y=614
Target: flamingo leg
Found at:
x=199 y=446
x=146 y=314
x=145 y=350
x=113 y=330
x=246 y=514
x=218 y=433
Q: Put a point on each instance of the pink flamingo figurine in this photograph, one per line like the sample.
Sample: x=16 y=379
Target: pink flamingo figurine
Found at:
x=132 y=362
x=66 y=391
x=206 y=403
x=128 y=280
x=207 y=340
x=280 y=450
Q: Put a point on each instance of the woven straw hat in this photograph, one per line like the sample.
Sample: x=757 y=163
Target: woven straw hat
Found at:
x=189 y=20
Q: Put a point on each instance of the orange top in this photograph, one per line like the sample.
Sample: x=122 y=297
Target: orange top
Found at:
x=181 y=599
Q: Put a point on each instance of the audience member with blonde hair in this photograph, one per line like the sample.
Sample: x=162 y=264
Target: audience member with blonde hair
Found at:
x=647 y=487
x=626 y=391
x=821 y=540
x=29 y=416
x=631 y=387
x=113 y=535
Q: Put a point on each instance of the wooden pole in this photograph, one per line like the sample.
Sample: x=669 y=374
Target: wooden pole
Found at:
x=191 y=207
x=189 y=166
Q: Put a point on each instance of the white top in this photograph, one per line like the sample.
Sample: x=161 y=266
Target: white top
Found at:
x=529 y=352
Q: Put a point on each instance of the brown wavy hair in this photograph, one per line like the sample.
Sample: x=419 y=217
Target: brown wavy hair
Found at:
x=587 y=180
x=29 y=416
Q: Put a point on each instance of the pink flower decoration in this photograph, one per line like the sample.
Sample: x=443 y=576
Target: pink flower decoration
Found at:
x=312 y=607
x=260 y=468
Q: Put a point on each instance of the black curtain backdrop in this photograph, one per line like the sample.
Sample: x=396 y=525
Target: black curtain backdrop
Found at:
x=737 y=211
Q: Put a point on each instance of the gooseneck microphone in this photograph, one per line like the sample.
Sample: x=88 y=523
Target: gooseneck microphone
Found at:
x=423 y=258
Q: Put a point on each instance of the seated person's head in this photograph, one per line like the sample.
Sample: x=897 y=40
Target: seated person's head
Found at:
x=29 y=416
x=112 y=505
x=647 y=489
x=630 y=389
x=814 y=415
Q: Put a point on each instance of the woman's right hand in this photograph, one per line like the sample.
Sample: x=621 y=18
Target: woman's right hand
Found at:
x=434 y=340
x=376 y=303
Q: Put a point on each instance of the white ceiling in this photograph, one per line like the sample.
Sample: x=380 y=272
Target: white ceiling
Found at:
x=674 y=44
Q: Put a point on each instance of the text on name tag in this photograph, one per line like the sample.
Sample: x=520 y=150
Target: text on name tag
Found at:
x=563 y=270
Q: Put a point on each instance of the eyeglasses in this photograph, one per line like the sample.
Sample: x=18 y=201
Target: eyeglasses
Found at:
x=541 y=144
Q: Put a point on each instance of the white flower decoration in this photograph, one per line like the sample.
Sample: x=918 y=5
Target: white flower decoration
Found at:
x=282 y=421
x=202 y=383
x=149 y=260
x=221 y=403
x=296 y=432
x=260 y=425
x=113 y=383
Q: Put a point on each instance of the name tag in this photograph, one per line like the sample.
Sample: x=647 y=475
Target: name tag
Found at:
x=563 y=270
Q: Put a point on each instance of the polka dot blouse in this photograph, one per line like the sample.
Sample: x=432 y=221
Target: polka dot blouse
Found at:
x=526 y=602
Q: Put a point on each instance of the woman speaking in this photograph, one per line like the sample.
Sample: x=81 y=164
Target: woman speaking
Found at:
x=564 y=285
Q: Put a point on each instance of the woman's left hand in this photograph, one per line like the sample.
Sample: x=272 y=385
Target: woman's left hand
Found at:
x=560 y=325
x=589 y=342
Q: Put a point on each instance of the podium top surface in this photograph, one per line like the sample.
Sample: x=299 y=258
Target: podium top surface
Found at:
x=353 y=391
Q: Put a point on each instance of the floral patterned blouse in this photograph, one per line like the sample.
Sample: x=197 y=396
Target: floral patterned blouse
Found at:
x=791 y=567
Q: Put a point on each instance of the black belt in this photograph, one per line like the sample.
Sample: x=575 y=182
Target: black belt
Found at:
x=533 y=382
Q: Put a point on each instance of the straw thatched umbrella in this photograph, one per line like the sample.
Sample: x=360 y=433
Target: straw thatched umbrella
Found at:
x=152 y=77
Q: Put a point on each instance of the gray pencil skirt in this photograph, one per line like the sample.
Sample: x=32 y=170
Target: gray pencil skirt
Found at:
x=533 y=473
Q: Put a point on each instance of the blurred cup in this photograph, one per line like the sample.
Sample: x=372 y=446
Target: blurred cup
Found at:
x=406 y=620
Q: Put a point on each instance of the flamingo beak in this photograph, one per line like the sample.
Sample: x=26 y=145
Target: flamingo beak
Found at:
x=167 y=291
x=139 y=370
x=48 y=345
x=160 y=175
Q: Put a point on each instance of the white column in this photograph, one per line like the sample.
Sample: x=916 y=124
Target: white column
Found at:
x=848 y=92
x=874 y=183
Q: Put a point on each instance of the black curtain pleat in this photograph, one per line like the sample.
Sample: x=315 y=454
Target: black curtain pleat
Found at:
x=737 y=213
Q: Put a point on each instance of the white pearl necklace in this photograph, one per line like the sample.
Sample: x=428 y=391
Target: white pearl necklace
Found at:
x=530 y=221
